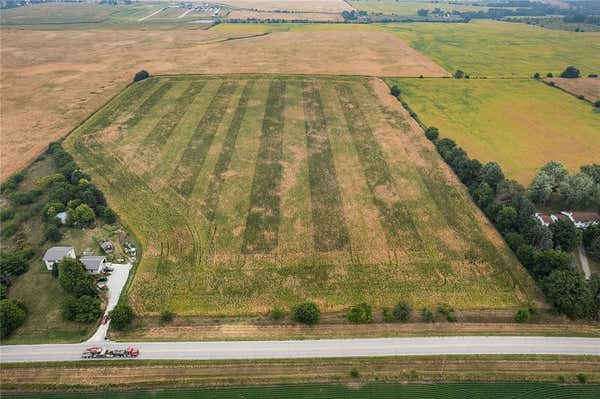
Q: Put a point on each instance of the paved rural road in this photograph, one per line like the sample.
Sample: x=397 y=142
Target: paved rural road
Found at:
x=318 y=348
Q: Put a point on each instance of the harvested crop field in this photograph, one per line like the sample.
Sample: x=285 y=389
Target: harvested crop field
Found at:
x=291 y=5
x=284 y=16
x=43 y=98
x=519 y=123
x=589 y=88
x=249 y=192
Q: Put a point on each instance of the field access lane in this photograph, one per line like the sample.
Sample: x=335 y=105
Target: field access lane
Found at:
x=319 y=348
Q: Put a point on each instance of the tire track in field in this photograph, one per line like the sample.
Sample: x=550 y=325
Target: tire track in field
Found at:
x=262 y=223
x=148 y=104
x=186 y=173
x=329 y=227
x=215 y=184
x=395 y=217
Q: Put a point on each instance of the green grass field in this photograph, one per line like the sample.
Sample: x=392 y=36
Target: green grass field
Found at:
x=501 y=390
x=409 y=8
x=522 y=124
x=480 y=48
x=253 y=192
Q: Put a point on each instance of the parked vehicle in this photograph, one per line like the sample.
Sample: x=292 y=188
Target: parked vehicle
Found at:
x=101 y=279
x=104 y=353
x=105 y=319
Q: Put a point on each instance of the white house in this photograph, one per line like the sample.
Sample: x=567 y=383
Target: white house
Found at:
x=583 y=220
x=93 y=264
x=56 y=254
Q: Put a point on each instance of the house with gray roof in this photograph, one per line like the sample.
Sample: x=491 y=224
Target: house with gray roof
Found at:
x=93 y=264
x=56 y=254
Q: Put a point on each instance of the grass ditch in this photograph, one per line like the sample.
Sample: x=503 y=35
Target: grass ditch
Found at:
x=262 y=223
x=192 y=160
x=330 y=231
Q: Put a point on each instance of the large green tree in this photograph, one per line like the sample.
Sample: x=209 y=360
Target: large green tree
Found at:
x=569 y=293
x=74 y=279
x=566 y=236
x=12 y=316
x=307 y=313
x=121 y=316
x=85 y=309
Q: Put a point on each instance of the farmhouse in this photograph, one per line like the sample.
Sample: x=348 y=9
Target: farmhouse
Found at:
x=93 y=264
x=544 y=219
x=56 y=254
x=583 y=220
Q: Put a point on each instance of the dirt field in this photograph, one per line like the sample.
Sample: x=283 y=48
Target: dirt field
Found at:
x=44 y=96
x=195 y=373
x=291 y=5
x=287 y=16
x=588 y=87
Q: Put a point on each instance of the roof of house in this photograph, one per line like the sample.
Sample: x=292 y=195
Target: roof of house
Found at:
x=545 y=218
x=560 y=216
x=56 y=253
x=92 y=263
x=585 y=217
x=62 y=216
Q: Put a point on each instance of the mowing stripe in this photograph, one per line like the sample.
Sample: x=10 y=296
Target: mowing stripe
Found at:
x=148 y=104
x=192 y=160
x=167 y=123
x=262 y=223
x=216 y=182
x=329 y=227
x=395 y=217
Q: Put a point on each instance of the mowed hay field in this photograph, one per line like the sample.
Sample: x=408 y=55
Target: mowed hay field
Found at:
x=409 y=7
x=43 y=97
x=332 y=6
x=252 y=192
x=521 y=124
x=481 y=48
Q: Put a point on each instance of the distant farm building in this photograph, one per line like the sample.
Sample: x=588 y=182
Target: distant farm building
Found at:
x=582 y=220
x=56 y=254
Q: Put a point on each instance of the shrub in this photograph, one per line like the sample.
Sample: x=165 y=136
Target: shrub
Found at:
x=9 y=230
x=447 y=311
x=166 y=316
x=307 y=313
x=402 y=311
x=3 y=291
x=582 y=378
x=536 y=75
x=141 y=75
x=388 y=315
x=276 y=314
x=107 y=214
x=25 y=198
x=6 y=214
x=593 y=75
x=360 y=313
x=395 y=91
x=84 y=309
x=12 y=316
x=522 y=316
x=121 y=316
x=427 y=316
x=549 y=75
x=432 y=133
x=52 y=233
x=13 y=263
x=459 y=74
x=597 y=104
x=570 y=72
x=354 y=373
x=581 y=97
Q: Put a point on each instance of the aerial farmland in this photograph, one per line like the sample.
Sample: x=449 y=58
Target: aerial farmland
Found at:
x=320 y=198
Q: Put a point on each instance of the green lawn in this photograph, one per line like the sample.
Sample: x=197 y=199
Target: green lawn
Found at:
x=480 y=48
x=240 y=208
x=501 y=390
x=520 y=123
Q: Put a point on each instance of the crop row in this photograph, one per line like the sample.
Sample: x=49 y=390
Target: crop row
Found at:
x=395 y=217
x=216 y=183
x=164 y=128
x=329 y=231
x=192 y=160
x=262 y=223
x=148 y=104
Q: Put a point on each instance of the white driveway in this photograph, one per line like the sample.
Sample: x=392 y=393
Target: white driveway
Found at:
x=115 y=283
x=584 y=263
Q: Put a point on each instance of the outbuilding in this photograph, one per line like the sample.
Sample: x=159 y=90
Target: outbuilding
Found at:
x=93 y=264
x=56 y=254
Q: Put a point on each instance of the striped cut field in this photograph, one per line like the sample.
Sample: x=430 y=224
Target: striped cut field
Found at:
x=249 y=192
